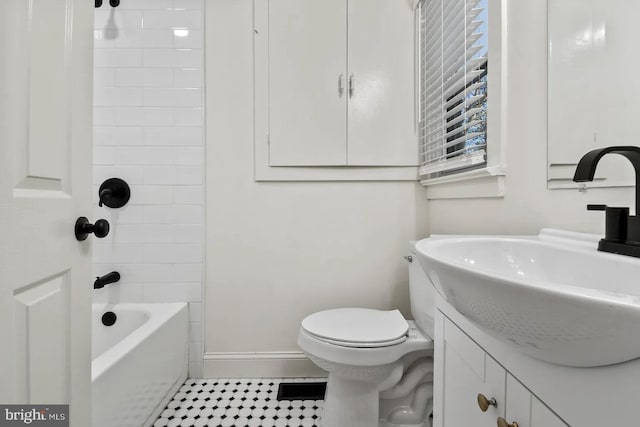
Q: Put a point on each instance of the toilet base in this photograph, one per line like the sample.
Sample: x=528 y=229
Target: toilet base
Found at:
x=394 y=395
x=350 y=403
x=397 y=393
x=409 y=403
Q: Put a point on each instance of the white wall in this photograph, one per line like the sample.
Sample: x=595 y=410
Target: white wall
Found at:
x=148 y=131
x=528 y=205
x=276 y=252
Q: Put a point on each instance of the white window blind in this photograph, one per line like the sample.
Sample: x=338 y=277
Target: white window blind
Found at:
x=453 y=86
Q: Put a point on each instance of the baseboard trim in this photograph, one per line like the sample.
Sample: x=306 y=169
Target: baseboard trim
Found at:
x=259 y=364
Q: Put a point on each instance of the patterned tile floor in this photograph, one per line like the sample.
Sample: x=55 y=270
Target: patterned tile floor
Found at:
x=239 y=403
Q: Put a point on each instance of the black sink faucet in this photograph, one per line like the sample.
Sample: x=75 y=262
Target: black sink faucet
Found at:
x=102 y=281
x=622 y=234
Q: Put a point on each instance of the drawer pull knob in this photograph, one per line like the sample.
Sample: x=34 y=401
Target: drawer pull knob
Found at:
x=484 y=403
x=503 y=423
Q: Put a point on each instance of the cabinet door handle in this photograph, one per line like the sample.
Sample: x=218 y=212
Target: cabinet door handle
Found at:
x=352 y=85
x=340 y=85
x=484 y=403
x=503 y=423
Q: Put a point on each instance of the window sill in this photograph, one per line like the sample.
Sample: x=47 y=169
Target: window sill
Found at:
x=480 y=183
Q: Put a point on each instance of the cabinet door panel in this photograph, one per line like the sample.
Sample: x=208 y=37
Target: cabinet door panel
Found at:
x=541 y=416
x=381 y=129
x=307 y=55
x=518 y=403
x=525 y=409
x=464 y=378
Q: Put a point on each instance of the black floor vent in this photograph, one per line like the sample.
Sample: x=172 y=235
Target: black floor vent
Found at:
x=302 y=391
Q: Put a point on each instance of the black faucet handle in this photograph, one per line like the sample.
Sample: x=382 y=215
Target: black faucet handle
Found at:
x=616 y=222
x=596 y=207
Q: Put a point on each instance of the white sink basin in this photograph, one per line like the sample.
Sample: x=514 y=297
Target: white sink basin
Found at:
x=552 y=296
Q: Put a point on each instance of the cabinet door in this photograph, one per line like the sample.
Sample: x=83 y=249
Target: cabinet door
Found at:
x=381 y=126
x=541 y=416
x=467 y=371
x=307 y=64
x=526 y=410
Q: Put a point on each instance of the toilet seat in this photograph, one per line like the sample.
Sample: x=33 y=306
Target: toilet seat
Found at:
x=357 y=327
x=358 y=344
x=363 y=356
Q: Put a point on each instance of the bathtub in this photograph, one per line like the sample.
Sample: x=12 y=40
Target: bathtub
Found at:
x=138 y=363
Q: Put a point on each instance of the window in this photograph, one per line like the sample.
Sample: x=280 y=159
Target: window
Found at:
x=453 y=86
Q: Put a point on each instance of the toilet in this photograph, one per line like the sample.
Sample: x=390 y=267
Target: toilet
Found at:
x=380 y=364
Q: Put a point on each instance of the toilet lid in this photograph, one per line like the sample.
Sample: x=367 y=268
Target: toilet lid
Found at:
x=357 y=326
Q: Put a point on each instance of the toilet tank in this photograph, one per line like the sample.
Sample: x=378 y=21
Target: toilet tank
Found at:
x=422 y=294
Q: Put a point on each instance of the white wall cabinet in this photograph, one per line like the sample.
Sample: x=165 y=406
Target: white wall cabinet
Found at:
x=463 y=370
x=381 y=128
x=307 y=64
x=335 y=83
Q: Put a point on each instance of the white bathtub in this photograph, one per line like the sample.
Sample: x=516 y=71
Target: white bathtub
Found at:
x=138 y=363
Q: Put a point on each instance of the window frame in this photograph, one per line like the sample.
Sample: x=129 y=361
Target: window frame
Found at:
x=488 y=180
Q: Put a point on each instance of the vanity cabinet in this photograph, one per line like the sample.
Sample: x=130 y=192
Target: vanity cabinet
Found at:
x=340 y=82
x=464 y=371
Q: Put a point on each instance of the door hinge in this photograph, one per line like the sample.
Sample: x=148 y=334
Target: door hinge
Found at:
x=268 y=139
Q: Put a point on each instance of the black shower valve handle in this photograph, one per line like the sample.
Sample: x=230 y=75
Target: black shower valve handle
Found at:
x=114 y=193
x=104 y=194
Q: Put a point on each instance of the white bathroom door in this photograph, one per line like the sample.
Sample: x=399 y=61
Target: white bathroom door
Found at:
x=45 y=184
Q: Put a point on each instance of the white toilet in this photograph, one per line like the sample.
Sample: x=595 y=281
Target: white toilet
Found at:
x=380 y=365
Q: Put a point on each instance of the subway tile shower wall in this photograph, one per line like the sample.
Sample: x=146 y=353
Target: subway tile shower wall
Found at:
x=148 y=130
